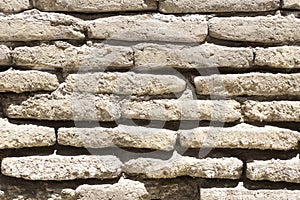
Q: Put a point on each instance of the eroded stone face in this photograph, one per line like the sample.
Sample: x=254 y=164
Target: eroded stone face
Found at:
x=14 y=6
x=291 y=4
x=5 y=56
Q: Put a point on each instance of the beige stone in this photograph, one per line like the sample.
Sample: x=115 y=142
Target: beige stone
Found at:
x=150 y=27
x=13 y=6
x=5 y=56
x=169 y=110
x=194 y=6
x=242 y=136
x=125 y=83
x=95 y=6
x=280 y=111
x=69 y=57
x=27 y=81
x=275 y=170
x=121 y=136
x=34 y=25
x=21 y=136
x=291 y=4
x=58 y=168
x=249 y=84
x=260 y=29
x=177 y=165
x=278 y=57
x=149 y=56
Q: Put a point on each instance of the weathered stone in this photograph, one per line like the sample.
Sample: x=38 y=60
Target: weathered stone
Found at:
x=241 y=136
x=67 y=56
x=122 y=136
x=125 y=83
x=65 y=107
x=241 y=192
x=95 y=6
x=194 y=6
x=27 y=81
x=291 y=4
x=184 y=57
x=177 y=165
x=13 y=6
x=125 y=189
x=5 y=57
x=34 y=25
x=275 y=170
x=250 y=84
x=261 y=29
x=169 y=110
x=150 y=27
x=21 y=136
x=280 y=111
x=55 y=167
x=278 y=57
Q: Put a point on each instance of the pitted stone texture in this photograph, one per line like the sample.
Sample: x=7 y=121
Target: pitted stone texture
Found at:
x=275 y=170
x=291 y=4
x=125 y=189
x=177 y=165
x=58 y=168
x=249 y=84
x=194 y=6
x=121 y=136
x=125 y=83
x=184 y=57
x=13 y=6
x=278 y=57
x=65 y=107
x=241 y=192
x=27 y=81
x=69 y=57
x=261 y=29
x=150 y=27
x=5 y=56
x=96 y=6
x=170 y=110
x=21 y=136
x=275 y=111
x=242 y=136
x=34 y=25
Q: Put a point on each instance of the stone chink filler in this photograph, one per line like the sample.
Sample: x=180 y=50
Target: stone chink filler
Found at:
x=149 y=99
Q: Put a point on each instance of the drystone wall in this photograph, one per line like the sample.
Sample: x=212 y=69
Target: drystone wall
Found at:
x=149 y=99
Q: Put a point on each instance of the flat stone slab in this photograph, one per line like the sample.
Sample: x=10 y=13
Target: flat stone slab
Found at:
x=291 y=4
x=14 y=6
x=5 y=56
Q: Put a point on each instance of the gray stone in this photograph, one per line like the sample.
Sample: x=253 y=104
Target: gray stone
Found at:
x=177 y=165
x=58 y=168
x=150 y=27
x=291 y=4
x=5 y=57
x=14 y=6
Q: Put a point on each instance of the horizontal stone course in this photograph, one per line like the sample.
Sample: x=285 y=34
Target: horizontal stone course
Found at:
x=150 y=27
x=21 y=136
x=14 y=6
x=275 y=170
x=291 y=4
x=5 y=55
x=177 y=165
x=58 y=168
x=249 y=84
x=121 y=136
x=194 y=6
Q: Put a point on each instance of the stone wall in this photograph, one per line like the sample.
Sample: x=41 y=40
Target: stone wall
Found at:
x=150 y=99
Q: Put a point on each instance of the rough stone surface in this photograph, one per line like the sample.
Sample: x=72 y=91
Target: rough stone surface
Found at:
x=194 y=6
x=5 y=56
x=249 y=84
x=21 y=136
x=278 y=57
x=185 y=57
x=121 y=136
x=125 y=83
x=170 y=110
x=241 y=136
x=125 y=189
x=34 y=25
x=177 y=165
x=261 y=29
x=13 y=6
x=291 y=4
x=58 y=168
x=280 y=111
x=148 y=27
x=95 y=6
x=26 y=81
x=69 y=57
x=275 y=170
